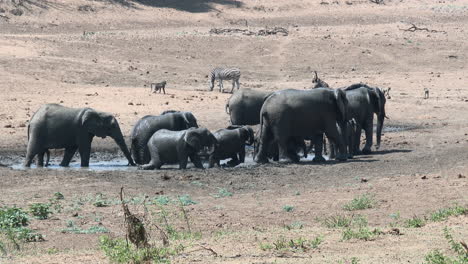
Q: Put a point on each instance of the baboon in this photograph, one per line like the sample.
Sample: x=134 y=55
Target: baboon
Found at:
x=426 y=93
x=317 y=82
x=158 y=87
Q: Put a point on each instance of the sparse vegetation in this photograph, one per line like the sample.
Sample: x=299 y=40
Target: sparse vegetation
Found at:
x=40 y=210
x=186 y=200
x=445 y=213
x=294 y=225
x=161 y=200
x=295 y=245
x=72 y=228
x=101 y=201
x=363 y=233
x=362 y=202
x=341 y=221
x=415 y=222
x=119 y=251
x=59 y=196
x=222 y=192
x=459 y=250
x=288 y=208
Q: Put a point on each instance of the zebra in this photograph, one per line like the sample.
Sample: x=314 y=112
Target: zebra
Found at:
x=221 y=74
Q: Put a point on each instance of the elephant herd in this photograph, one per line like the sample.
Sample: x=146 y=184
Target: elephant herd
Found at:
x=286 y=118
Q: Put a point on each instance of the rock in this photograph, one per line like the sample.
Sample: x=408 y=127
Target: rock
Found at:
x=424 y=177
x=16 y=12
x=8 y=126
x=461 y=176
x=22 y=125
x=364 y=180
x=130 y=103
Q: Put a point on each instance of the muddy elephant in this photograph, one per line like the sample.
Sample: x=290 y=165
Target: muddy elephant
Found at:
x=244 y=106
x=363 y=102
x=292 y=113
x=148 y=125
x=231 y=144
x=54 y=126
x=169 y=147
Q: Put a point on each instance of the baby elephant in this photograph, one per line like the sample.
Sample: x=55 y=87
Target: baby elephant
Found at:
x=169 y=147
x=158 y=87
x=231 y=144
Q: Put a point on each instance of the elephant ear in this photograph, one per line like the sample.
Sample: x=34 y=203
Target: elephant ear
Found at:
x=342 y=104
x=378 y=100
x=193 y=139
x=249 y=135
x=190 y=120
x=91 y=120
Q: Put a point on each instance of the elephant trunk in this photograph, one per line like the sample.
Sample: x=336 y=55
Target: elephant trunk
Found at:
x=120 y=141
x=380 y=122
x=213 y=145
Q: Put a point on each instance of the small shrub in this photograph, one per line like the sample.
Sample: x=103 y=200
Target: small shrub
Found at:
x=415 y=222
x=266 y=246
x=362 y=233
x=27 y=235
x=288 y=208
x=120 y=252
x=222 y=192
x=40 y=210
x=315 y=243
x=186 y=200
x=362 y=202
x=161 y=200
x=59 y=196
x=12 y=217
x=445 y=213
x=101 y=201
x=342 y=221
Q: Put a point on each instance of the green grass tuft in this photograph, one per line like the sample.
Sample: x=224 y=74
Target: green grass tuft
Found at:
x=362 y=202
x=362 y=233
x=415 y=222
x=288 y=208
x=445 y=213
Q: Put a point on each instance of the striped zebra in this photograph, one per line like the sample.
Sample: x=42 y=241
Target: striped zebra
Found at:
x=221 y=74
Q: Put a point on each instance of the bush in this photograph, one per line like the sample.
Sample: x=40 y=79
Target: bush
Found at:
x=362 y=233
x=40 y=210
x=120 y=252
x=415 y=222
x=13 y=217
x=362 y=202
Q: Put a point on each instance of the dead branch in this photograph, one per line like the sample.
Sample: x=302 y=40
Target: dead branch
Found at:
x=136 y=231
x=414 y=28
x=379 y=2
x=204 y=248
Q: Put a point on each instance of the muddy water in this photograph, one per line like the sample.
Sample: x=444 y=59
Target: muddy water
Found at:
x=120 y=164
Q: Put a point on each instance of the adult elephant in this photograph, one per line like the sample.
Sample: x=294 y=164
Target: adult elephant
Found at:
x=363 y=102
x=54 y=126
x=244 y=106
x=231 y=144
x=292 y=114
x=168 y=147
x=148 y=125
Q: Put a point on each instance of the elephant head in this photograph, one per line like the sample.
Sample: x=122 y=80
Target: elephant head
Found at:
x=197 y=138
x=190 y=120
x=378 y=101
x=246 y=133
x=102 y=125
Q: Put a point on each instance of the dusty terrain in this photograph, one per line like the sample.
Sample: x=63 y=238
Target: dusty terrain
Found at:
x=104 y=54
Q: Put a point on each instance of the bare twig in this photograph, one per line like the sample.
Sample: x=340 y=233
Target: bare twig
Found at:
x=204 y=248
x=379 y=2
x=136 y=231
x=414 y=28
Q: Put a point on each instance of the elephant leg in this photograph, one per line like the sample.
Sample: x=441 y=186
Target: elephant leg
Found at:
x=234 y=161
x=195 y=159
x=264 y=146
x=69 y=152
x=212 y=161
x=334 y=135
x=242 y=154
x=85 y=152
x=324 y=144
x=357 y=140
x=332 y=147
x=369 y=128
x=318 y=148
x=40 y=159
x=154 y=163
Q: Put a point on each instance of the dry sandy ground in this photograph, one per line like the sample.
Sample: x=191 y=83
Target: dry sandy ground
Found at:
x=105 y=57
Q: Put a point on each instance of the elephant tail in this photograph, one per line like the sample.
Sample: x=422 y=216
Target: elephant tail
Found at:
x=341 y=103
